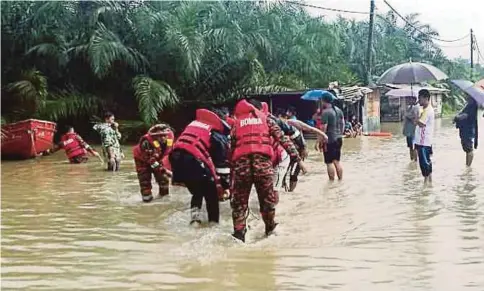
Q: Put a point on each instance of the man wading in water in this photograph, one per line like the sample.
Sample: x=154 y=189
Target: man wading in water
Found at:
x=332 y=119
x=424 y=133
x=466 y=122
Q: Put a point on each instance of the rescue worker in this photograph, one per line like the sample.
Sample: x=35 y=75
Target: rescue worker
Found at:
x=110 y=137
x=75 y=147
x=251 y=160
x=199 y=160
x=149 y=156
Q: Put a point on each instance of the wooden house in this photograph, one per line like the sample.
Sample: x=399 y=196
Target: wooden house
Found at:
x=393 y=108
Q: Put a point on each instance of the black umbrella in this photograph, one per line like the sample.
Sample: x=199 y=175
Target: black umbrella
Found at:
x=411 y=73
x=471 y=90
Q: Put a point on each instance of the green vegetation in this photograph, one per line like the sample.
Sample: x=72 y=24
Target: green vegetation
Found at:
x=65 y=60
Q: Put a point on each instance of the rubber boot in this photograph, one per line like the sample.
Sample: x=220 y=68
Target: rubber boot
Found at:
x=240 y=234
x=195 y=213
x=147 y=197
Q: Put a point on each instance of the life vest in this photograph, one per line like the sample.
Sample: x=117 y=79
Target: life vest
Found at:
x=170 y=139
x=155 y=156
x=161 y=150
x=265 y=107
x=251 y=132
x=230 y=121
x=72 y=146
x=195 y=139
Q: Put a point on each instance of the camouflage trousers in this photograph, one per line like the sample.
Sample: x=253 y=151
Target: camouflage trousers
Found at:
x=113 y=155
x=145 y=173
x=251 y=170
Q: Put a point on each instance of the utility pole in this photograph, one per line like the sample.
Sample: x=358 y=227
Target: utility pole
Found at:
x=370 y=40
x=472 y=53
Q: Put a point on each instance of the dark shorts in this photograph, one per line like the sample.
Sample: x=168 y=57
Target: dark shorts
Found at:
x=410 y=143
x=467 y=144
x=333 y=151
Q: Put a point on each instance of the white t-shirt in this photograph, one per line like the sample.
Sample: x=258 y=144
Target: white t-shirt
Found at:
x=423 y=135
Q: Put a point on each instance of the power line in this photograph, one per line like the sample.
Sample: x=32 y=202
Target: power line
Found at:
x=477 y=48
x=327 y=8
x=454 y=46
x=417 y=29
x=382 y=17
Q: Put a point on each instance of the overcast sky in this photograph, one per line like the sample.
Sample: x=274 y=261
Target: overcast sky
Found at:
x=452 y=19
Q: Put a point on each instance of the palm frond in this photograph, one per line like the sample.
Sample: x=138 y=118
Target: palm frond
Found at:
x=105 y=47
x=32 y=86
x=55 y=50
x=69 y=104
x=152 y=96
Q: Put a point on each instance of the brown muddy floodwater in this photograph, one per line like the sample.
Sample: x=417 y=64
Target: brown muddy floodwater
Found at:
x=73 y=227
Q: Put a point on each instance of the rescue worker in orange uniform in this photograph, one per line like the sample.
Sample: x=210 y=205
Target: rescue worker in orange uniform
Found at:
x=75 y=147
x=199 y=160
x=251 y=160
x=150 y=158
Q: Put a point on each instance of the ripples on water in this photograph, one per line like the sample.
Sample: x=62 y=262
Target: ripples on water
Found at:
x=71 y=227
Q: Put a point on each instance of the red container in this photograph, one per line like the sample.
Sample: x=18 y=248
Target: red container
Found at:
x=25 y=139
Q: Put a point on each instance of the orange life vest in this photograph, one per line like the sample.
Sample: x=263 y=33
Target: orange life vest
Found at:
x=72 y=145
x=155 y=154
x=159 y=153
x=251 y=132
x=195 y=139
x=230 y=121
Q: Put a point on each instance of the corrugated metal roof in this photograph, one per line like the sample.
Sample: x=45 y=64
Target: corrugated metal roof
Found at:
x=407 y=86
x=347 y=94
x=353 y=94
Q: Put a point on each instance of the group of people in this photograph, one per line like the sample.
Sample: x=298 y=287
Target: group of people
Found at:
x=418 y=128
x=219 y=156
x=77 y=150
x=353 y=127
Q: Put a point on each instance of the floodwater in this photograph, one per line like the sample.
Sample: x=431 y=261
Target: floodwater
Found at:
x=77 y=227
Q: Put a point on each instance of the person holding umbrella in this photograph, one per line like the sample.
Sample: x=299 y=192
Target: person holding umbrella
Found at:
x=466 y=120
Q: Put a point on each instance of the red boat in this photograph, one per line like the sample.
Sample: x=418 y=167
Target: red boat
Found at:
x=26 y=139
